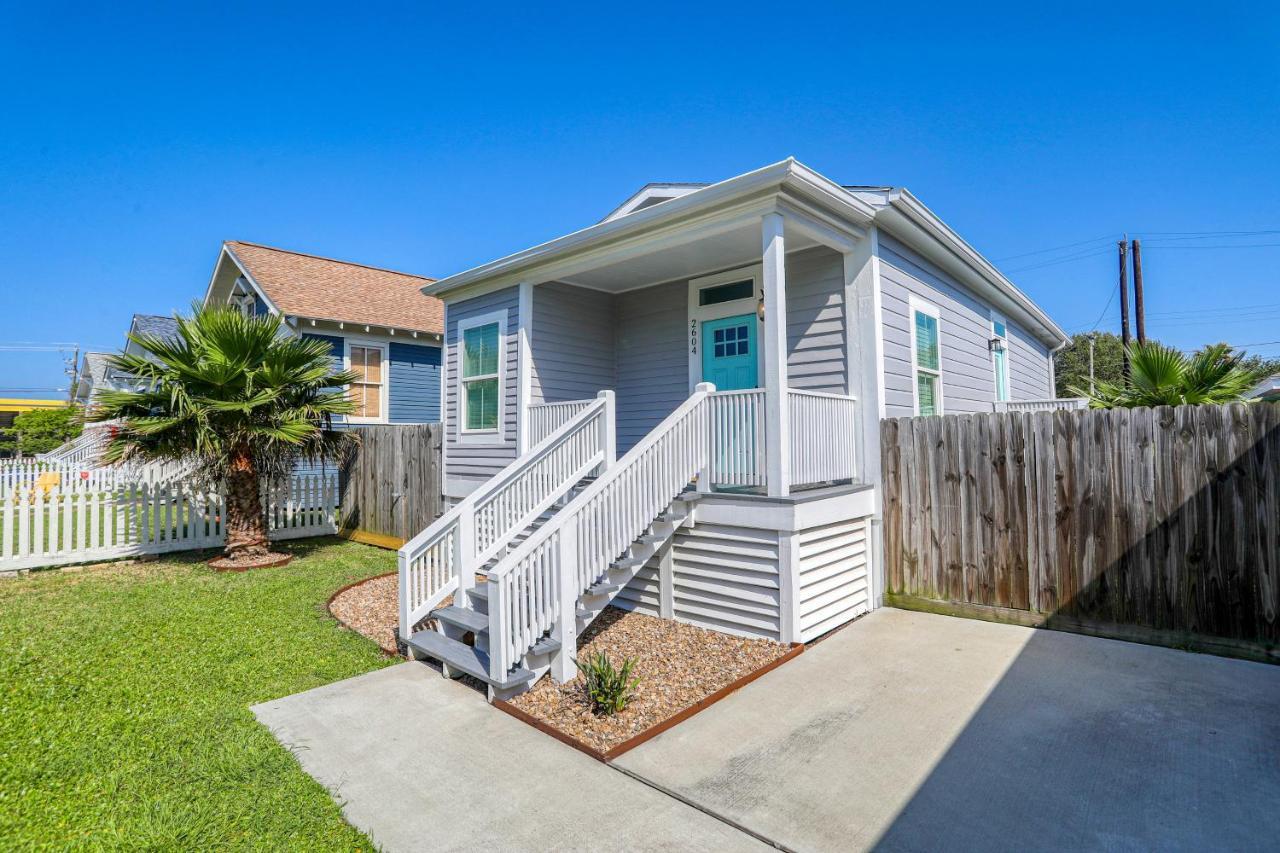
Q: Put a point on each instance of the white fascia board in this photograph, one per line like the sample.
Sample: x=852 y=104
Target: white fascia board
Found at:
x=796 y=177
x=663 y=191
x=975 y=270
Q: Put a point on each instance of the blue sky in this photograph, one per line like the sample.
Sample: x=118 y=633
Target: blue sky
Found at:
x=135 y=139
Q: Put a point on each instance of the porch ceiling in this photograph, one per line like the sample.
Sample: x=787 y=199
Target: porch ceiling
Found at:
x=737 y=247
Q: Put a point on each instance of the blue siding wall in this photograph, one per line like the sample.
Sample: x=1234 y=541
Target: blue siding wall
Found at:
x=414 y=374
x=415 y=383
x=335 y=346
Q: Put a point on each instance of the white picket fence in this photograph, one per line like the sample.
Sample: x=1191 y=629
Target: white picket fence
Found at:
x=27 y=474
x=58 y=527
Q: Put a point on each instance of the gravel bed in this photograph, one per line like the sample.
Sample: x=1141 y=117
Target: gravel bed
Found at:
x=678 y=666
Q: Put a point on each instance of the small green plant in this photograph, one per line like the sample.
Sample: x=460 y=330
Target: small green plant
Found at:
x=609 y=689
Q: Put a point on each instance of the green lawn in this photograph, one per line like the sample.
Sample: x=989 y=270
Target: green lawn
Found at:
x=125 y=694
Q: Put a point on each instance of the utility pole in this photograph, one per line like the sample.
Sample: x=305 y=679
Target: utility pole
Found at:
x=1139 y=313
x=1124 y=304
x=1092 y=337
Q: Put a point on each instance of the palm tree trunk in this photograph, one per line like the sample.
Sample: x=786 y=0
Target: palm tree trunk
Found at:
x=246 y=525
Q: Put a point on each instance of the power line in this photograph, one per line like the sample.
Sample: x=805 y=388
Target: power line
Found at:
x=1221 y=246
x=1107 y=237
x=1089 y=253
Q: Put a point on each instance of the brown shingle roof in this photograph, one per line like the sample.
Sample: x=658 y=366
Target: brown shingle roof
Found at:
x=324 y=289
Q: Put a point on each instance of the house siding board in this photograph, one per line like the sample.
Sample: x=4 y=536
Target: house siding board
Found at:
x=735 y=593
x=573 y=343
x=414 y=374
x=833 y=576
x=643 y=592
x=475 y=461
x=968 y=377
x=1028 y=367
x=816 y=356
x=652 y=358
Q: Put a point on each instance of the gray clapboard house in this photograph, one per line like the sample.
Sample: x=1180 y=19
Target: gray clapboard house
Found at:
x=676 y=410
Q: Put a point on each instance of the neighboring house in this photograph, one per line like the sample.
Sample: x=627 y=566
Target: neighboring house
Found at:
x=1268 y=390
x=815 y=309
x=11 y=407
x=97 y=374
x=377 y=322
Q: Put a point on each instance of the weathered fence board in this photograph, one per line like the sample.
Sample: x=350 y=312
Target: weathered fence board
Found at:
x=391 y=486
x=1165 y=520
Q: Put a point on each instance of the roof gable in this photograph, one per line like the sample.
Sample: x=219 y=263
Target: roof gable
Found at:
x=318 y=288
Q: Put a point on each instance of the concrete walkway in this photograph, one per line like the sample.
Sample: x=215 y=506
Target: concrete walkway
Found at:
x=909 y=731
x=419 y=762
x=905 y=731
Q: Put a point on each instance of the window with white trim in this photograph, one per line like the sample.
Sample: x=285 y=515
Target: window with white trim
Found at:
x=481 y=377
x=926 y=359
x=1000 y=356
x=368 y=392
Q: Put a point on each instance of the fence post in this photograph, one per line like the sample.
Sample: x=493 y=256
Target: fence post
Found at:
x=563 y=664
x=466 y=556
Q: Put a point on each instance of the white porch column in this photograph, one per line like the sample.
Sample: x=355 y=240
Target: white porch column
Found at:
x=863 y=321
x=777 y=412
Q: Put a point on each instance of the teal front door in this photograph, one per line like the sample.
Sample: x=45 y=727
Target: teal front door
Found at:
x=729 y=352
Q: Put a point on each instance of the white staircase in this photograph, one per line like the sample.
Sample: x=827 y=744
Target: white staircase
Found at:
x=554 y=537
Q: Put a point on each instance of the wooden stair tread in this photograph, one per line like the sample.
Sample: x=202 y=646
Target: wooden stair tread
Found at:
x=466 y=658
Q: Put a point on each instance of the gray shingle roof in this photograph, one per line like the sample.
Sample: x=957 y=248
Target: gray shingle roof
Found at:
x=153 y=324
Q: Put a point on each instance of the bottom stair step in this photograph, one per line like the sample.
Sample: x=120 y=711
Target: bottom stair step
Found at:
x=465 y=658
x=467 y=620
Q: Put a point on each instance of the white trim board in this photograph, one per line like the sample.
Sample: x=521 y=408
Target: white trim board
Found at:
x=698 y=314
x=385 y=407
x=494 y=437
x=916 y=304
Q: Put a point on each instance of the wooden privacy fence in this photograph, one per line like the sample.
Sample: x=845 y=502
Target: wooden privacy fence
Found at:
x=1160 y=525
x=390 y=489
x=59 y=527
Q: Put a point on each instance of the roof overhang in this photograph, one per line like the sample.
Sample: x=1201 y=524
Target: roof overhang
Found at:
x=908 y=219
x=816 y=206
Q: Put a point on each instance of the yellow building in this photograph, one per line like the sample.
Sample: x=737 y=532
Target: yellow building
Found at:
x=11 y=407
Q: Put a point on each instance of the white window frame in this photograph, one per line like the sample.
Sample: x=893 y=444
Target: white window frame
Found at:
x=917 y=305
x=698 y=314
x=367 y=343
x=482 y=436
x=997 y=317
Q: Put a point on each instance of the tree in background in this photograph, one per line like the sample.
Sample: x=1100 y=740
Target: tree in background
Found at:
x=1163 y=376
x=42 y=430
x=1071 y=364
x=237 y=399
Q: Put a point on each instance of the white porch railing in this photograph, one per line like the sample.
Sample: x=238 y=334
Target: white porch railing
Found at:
x=444 y=558
x=546 y=418
x=1060 y=404
x=823 y=437
x=84 y=449
x=57 y=527
x=824 y=445
x=737 y=422
x=536 y=586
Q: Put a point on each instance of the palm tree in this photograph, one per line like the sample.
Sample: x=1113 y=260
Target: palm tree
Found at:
x=1163 y=376
x=237 y=399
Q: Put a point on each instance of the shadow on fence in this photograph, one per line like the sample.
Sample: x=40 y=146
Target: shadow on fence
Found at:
x=1154 y=525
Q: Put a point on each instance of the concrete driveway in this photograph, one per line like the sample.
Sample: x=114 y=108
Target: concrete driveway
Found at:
x=909 y=731
x=904 y=731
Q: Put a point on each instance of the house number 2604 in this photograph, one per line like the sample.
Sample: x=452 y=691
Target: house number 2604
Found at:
x=693 y=336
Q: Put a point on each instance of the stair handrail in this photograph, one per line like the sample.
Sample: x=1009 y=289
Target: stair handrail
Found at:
x=535 y=587
x=444 y=557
